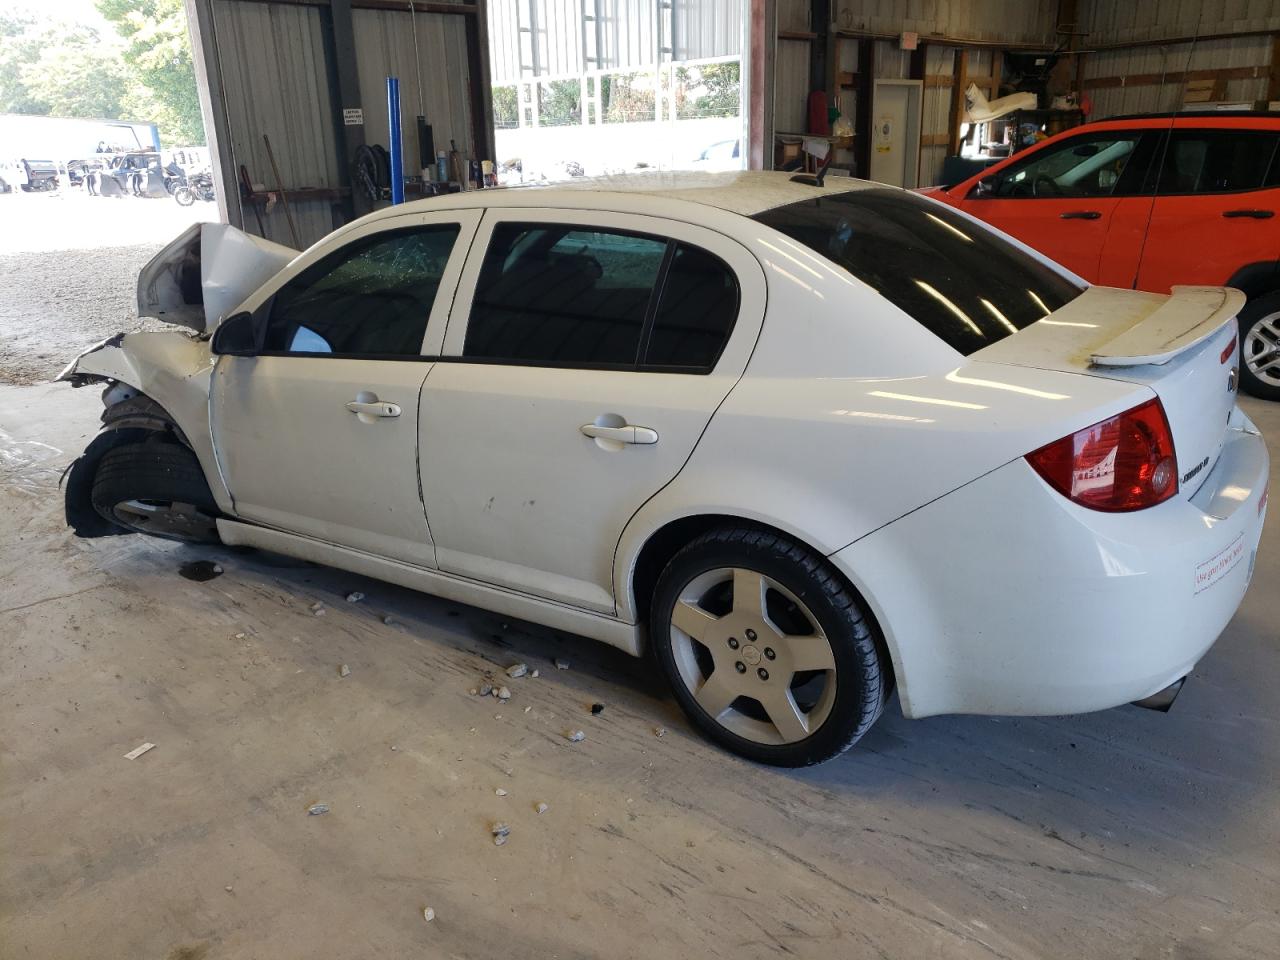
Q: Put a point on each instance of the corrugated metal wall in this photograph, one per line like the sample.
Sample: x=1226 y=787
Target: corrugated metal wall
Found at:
x=275 y=80
x=555 y=38
x=1008 y=21
x=1110 y=22
x=384 y=47
x=274 y=59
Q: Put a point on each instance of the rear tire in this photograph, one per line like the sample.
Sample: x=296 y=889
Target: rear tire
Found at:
x=156 y=488
x=768 y=651
x=1260 y=347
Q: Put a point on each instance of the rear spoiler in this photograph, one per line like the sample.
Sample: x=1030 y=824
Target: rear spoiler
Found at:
x=1190 y=316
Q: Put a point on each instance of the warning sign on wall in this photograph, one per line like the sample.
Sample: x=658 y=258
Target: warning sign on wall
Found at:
x=353 y=117
x=884 y=135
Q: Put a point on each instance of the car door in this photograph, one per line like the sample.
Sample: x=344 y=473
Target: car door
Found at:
x=1061 y=198
x=585 y=355
x=317 y=434
x=1216 y=209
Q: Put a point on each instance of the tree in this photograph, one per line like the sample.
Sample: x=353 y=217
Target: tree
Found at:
x=58 y=68
x=158 y=50
x=506 y=109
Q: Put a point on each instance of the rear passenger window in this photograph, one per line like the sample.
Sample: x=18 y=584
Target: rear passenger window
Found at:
x=1217 y=161
x=561 y=294
x=696 y=312
x=370 y=298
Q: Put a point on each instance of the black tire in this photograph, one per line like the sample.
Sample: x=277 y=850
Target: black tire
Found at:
x=184 y=195
x=1255 y=311
x=155 y=474
x=862 y=684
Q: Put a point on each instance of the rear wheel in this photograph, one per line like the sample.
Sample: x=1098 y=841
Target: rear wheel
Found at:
x=767 y=650
x=156 y=488
x=1260 y=347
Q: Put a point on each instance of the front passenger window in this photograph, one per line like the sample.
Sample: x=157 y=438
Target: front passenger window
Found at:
x=1086 y=166
x=371 y=298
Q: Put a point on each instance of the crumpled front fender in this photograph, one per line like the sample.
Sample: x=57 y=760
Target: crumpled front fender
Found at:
x=173 y=369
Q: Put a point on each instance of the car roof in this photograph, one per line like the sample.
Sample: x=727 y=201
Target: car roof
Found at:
x=1238 y=119
x=744 y=192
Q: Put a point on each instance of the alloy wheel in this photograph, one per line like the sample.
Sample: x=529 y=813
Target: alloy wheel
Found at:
x=166 y=518
x=753 y=656
x=1261 y=350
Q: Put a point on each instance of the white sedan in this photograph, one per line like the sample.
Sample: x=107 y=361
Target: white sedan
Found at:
x=807 y=443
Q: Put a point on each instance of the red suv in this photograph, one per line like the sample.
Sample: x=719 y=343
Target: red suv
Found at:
x=1153 y=201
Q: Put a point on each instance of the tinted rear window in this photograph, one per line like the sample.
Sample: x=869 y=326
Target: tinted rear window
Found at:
x=961 y=281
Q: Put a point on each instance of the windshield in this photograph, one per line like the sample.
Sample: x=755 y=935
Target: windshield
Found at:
x=960 y=280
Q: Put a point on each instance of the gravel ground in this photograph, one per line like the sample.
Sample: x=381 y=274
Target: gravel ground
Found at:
x=58 y=300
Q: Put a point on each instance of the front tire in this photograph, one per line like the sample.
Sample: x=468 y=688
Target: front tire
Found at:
x=184 y=196
x=1260 y=347
x=768 y=651
x=157 y=488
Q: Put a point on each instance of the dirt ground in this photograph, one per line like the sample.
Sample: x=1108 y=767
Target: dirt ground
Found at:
x=68 y=270
x=1122 y=834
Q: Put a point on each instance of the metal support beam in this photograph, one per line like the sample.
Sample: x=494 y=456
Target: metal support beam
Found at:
x=479 y=85
x=213 y=109
x=863 y=106
x=349 y=106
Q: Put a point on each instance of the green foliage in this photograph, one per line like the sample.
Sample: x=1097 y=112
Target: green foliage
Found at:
x=629 y=97
x=56 y=67
x=710 y=90
x=506 y=108
x=560 y=103
x=158 y=50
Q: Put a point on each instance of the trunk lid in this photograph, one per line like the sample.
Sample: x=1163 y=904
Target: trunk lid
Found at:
x=1181 y=346
x=205 y=273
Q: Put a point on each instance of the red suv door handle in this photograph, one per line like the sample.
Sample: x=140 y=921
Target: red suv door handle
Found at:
x=1253 y=214
x=1080 y=215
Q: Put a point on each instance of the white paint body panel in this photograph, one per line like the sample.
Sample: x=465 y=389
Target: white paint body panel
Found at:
x=831 y=415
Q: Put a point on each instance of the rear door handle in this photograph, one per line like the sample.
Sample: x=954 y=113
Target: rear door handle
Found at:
x=373 y=408
x=1080 y=215
x=1252 y=214
x=625 y=434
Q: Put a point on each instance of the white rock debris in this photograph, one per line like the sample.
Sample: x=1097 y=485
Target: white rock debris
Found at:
x=517 y=670
x=577 y=736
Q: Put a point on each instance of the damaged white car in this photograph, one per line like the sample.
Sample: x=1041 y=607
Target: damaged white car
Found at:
x=805 y=442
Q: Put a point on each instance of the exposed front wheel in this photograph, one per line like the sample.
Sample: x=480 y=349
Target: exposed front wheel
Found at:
x=767 y=650
x=156 y=488
x=1260 y=347
x=185 y=196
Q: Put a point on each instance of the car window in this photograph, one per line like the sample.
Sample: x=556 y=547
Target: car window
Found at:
x=1083 y=166
x=696 y=311
x=371 y=298
x=1217 y=161
x=563 y=294
x=962 y=281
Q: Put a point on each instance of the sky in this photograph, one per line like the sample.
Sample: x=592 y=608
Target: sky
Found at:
x=82 y=11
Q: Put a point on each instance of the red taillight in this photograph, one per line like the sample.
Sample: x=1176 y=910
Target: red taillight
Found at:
x=1124 y=463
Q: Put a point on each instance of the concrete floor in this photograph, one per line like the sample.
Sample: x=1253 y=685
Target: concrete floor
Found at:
x=1121 y=834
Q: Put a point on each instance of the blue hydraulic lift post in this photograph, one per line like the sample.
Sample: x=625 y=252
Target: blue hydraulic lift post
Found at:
x=397 y=135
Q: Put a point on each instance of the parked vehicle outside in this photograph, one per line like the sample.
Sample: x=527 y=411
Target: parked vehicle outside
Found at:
x=804 y=443
x=1153 y=202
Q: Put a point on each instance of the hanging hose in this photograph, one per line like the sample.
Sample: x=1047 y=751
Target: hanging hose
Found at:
x=373 y=172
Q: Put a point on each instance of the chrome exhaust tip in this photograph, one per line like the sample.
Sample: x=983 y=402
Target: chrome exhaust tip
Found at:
x=1162 y=700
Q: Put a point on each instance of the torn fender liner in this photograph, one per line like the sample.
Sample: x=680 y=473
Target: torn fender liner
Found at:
x=81 y=517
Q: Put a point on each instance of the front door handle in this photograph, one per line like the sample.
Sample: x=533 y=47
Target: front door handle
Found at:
x=623 y=434
x=370 y=410
x=1252 y=214
x=1080 y=215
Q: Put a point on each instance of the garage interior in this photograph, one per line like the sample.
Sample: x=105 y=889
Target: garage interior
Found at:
x=1124 y=833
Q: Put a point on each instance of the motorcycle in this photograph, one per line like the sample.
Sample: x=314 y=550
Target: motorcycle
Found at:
x=198 y=186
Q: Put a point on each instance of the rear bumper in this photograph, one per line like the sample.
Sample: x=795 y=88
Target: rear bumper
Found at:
x=1006 y=598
